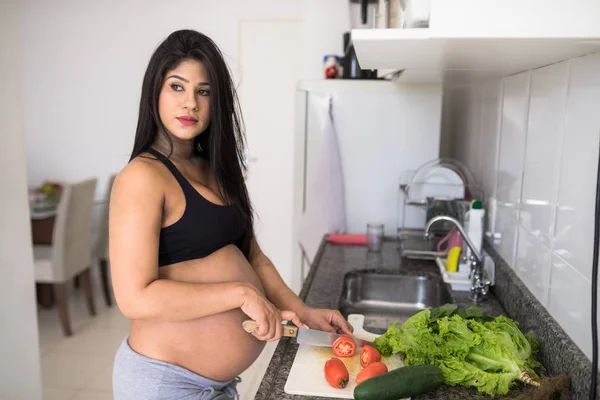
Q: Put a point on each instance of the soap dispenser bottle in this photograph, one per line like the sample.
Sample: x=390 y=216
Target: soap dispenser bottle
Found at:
x=473 y=225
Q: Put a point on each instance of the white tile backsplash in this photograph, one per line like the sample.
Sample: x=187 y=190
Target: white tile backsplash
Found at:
x=508 y=227
x=512 y=140
x=538 y=160
x=533 y=264
x=542 y=154
x=569 y=302
x=573 y=238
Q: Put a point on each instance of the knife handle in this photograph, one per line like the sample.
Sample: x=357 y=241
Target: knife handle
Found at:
x=288 y=331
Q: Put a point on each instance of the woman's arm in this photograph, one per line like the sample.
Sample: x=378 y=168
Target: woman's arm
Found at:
x=285 y=299
x=135 y=220
x=275 y=288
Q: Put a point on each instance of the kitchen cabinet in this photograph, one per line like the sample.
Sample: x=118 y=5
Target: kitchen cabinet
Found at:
x=477 y=39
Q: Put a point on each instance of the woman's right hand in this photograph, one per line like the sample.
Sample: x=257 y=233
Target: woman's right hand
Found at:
x=266 y=315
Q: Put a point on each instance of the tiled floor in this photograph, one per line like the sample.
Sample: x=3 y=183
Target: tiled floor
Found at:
x=80 y=367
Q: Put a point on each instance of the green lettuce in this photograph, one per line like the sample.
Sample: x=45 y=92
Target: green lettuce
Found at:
x=455 y=338
x=466 y=374
x=413 y=338
x=490 y=354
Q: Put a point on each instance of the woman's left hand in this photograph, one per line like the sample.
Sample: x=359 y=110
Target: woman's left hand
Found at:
x=325 y=320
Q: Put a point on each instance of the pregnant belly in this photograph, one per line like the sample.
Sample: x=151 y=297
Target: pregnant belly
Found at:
x=216 y=347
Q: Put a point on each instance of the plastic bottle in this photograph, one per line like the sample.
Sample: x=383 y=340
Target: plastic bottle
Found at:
x=453 y=259
x=473 y=225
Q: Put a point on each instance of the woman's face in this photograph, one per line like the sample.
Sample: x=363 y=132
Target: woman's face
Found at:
x=184 y=100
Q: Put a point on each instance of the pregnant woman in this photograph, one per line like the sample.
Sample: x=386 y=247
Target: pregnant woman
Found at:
x=186 y=268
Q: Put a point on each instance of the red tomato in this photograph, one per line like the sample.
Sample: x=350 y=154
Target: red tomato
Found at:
x=336 y=373
x=369 y=355
x=377 y=368
x=344 y=347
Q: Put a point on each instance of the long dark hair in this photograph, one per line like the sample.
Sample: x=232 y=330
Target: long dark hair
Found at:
x=223 y=141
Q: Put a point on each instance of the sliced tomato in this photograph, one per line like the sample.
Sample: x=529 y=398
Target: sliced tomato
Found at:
x=377 y=368
x=344 y=347
x=369 y=355
x=336 y=373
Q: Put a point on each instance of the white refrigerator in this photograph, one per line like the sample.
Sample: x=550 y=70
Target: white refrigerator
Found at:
x=353 y=141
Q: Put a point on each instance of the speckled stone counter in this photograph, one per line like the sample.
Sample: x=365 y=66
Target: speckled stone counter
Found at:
x=558 y=353
x=323 y=288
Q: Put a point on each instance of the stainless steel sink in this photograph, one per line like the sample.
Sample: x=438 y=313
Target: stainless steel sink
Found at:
x=414 y=245
x=385 y=298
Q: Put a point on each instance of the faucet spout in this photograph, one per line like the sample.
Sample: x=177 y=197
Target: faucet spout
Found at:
x=460 y=229
x=480 y=285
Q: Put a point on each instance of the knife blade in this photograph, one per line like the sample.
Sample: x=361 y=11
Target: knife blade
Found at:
x=309 y=336
x=320 y=338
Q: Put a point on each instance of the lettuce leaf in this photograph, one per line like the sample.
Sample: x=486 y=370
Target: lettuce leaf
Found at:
x=456 y=339
x=465 y=374
x=414 y=338
x=490 y=354
x=532 y=363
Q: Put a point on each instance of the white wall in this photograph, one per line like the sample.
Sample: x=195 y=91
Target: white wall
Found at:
x=20 y=367
x=532 y=141
x=269 y=122
x=383 y=130
x=83 y=64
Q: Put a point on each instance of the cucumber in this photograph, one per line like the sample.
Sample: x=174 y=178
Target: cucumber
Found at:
x=400 y=383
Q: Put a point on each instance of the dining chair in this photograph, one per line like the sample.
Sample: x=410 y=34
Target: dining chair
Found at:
x=100 y=247
x=69 y=255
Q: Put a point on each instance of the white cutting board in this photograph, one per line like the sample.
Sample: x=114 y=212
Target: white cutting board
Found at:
x=307 y=376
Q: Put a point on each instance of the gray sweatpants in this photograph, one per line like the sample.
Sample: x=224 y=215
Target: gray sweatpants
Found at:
x=136 y=377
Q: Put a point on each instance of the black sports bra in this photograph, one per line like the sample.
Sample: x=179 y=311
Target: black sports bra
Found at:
x=203 y=228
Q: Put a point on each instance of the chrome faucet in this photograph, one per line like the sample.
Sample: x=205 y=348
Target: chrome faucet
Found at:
x=480 y=287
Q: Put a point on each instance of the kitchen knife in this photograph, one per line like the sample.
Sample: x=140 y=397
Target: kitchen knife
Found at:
x=308 y=336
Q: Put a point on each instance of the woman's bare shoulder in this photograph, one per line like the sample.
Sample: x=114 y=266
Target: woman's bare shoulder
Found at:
x=143 y=174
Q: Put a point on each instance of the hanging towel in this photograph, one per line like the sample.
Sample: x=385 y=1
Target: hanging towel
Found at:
x=325 y=210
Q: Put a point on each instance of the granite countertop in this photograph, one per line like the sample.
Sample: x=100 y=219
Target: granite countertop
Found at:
x=323 y=287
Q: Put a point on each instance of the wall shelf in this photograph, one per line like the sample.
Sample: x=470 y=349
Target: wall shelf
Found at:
x=480 y=43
